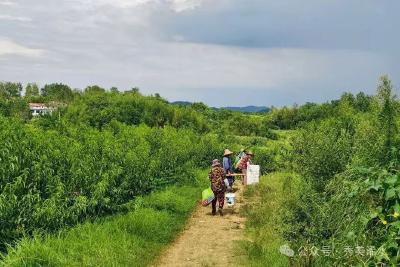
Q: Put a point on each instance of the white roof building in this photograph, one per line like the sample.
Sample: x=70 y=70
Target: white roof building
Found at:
x=38 y=109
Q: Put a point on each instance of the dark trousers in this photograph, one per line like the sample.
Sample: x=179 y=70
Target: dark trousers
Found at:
x=220 y=197
x=231 y=180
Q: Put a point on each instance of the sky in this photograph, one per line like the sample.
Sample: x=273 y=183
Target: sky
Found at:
x=220 y=52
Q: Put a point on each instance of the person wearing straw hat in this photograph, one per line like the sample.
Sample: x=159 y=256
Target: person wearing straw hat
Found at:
x=217 y=177
x=244 y=162
x=227 y=165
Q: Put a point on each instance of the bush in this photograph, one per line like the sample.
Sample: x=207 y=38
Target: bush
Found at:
x=265 y=157
x=99 y=109
x=350 y=192
x=52 y=179
x=132 y=239
x=322 y=150
x=368 y=143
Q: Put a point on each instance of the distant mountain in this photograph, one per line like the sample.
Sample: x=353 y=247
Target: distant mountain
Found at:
x=247 y=109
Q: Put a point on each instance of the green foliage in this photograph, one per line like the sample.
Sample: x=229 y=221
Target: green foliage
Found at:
x=114 y=90
x=10 y=90
x=293 y=117
x=31 y=90
x=384 y=225
x=95 y=89
x=365 y=202
x=369 y=143
x=177 y=200
x=98 y=109
x=388 y=113
x=50 y=179
x=363 y=102
x=132 y=239
x=349 y=194
x=15 y=107
x=266 y=159
x=322 y=150
x=11 y=103
x=57 y=92
x=284 y=118
x=247 y=125
x=263 y=208
x=109 y=153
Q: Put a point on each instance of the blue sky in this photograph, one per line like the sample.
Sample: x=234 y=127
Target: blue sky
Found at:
x=220 y=52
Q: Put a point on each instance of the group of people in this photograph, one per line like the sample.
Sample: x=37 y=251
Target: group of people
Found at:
x=219 y=173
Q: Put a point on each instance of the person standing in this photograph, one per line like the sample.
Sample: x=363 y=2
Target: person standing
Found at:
x=244 y=162
x=217 y=177
x=238 y=158
x=228 y=168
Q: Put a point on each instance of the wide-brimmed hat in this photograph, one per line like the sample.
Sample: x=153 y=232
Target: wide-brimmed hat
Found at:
x=215 y=163
x=249 y=153
x=227 y=152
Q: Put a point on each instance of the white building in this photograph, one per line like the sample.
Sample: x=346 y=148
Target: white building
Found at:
x=38 y=109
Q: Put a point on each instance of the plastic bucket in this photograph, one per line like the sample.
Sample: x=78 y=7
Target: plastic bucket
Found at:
x=230 y=199
x=226 y=181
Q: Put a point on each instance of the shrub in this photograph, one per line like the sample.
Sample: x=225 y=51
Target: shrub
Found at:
x=322 y=150
x=52 y=179
x=132 y=239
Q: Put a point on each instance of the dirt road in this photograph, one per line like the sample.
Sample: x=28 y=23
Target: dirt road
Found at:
x=208 y=240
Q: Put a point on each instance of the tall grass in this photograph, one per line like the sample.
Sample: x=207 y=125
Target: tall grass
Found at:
x=132 y=239
x=264 y=209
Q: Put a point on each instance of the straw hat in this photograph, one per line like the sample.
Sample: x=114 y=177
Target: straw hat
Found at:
x=227 y=152
x=250 y=153
x=215 y=163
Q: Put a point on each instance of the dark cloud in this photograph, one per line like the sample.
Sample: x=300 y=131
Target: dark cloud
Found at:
x=278 y=52
x=338 y=24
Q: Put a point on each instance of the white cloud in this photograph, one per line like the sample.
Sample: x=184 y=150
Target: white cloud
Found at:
x=8 y=47
x=173 y=47
x=15 y=18
x=118 y=3
x=176 y=5
x=183 y=5
x=7 y=3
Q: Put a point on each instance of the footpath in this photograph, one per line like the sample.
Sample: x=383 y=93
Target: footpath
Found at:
x=208 y=240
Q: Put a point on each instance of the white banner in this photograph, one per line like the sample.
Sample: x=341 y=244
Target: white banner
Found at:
x=253 y=174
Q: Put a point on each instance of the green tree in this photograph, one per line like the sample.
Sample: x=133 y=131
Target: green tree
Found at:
x=134 y=90
x=31 y=90
x=57 y=92
x=114 y=90
x=349 y=98
x=388 y=111
x=199 y=106
x=94 y=89
x=363 y=102
x=284 y=118
x=9 y=89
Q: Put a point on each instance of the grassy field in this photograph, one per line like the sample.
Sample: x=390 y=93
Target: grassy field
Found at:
x=263 y=209
x=132 y=239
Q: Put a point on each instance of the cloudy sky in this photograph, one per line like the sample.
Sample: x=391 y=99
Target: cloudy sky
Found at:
x=220 y=52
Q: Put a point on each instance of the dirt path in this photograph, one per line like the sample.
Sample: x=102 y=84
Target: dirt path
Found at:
x=208 y=240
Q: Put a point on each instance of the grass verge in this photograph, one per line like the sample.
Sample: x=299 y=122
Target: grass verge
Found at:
x=132 y=239
x=263 y=209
